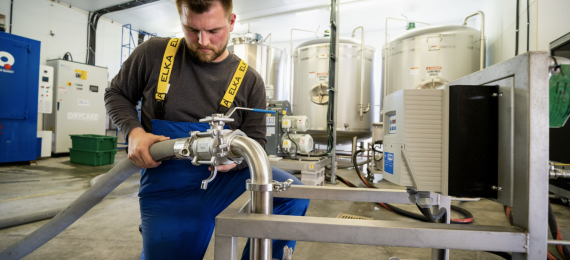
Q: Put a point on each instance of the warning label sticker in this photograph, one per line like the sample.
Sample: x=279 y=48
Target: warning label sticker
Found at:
x=323 y=76
x=414 y=71
x=433 y=71
x=312 y=75
x=302 y=141
x=270 y=120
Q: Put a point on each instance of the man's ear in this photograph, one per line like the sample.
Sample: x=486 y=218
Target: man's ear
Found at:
x=232 y=21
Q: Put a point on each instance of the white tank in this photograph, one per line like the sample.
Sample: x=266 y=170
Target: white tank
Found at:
x=310 y=96
x=430 y=57
x=268 y=61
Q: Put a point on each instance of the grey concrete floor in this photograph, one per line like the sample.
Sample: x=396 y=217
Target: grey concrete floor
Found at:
x=110 y=229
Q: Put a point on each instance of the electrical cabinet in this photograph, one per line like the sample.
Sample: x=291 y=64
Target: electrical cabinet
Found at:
x=443 y=140
x=19 y=72
x=78 y=105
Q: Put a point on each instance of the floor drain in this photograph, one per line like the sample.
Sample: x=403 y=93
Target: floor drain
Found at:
x=348 y=216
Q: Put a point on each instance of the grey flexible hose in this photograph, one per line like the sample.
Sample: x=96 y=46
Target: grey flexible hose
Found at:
x=107 y=183
x=29 y=218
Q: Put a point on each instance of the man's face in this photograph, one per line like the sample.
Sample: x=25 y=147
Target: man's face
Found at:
x=213 y=26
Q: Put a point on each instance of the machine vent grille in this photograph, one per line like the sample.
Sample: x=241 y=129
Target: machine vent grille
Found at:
x=348 y=216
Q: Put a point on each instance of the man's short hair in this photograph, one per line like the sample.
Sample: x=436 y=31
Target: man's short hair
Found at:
x=201 y=6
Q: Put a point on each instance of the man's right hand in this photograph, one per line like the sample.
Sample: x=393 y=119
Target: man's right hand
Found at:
x=139 y=143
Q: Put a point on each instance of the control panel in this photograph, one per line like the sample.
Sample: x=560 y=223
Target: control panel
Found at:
x=45 y=93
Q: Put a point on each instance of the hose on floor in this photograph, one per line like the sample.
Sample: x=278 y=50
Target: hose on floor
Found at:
x=553 y=226
x=427 y=214
x=29 y=218
x=107 y=183
x=468 y=217
x=555 y=231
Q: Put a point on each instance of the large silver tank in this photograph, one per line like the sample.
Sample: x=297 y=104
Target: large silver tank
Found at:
x=430 y=57
x=310 y=96
x=268 y=61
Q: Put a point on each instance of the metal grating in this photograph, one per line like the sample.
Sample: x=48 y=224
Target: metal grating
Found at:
x=348 y=216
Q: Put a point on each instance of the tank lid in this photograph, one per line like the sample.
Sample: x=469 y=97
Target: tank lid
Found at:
x=434 y=30
x=327 y=40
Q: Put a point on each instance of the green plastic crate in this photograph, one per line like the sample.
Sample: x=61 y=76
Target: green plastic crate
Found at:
x=93 y=143
x=92 y=158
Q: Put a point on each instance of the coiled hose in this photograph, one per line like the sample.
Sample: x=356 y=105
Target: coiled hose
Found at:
x=427 y=215
x=468 y=217
x=107 y=183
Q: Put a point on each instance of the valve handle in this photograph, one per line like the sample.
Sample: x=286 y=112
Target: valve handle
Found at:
x=263 y=111
x=257 y=110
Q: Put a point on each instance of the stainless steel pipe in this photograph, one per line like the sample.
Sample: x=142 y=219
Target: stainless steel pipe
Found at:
x=482 y=38
x=261 y=201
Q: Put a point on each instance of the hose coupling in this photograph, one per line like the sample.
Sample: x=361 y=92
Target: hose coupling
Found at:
x=556 y=173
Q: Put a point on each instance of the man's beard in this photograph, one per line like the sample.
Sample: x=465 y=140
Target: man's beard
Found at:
x=207 y=57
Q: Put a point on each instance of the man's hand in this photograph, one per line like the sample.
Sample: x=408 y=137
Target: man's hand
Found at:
x=139 y=143
x=224 y=168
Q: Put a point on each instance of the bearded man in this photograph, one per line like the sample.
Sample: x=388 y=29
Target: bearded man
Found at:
x=194 y=72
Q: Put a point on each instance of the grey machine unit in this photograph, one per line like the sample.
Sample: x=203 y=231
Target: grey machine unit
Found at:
x=282 y=131
x=443 y=140
x=274 y=131
x=78 y=104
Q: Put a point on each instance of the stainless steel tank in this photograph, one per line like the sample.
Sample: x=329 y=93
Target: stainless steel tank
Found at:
x=430 y=57
x=310 y=96
x=268 y=61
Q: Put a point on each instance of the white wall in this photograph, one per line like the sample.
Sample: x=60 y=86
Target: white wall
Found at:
x=548 y=22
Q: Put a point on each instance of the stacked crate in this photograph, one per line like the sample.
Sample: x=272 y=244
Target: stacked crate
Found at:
x=93 y=150
x=313 y=178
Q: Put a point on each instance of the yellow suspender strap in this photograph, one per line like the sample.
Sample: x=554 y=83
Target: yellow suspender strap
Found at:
x=233 y=88
x=166 y=68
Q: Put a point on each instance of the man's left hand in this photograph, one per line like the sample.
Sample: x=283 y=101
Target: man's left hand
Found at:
x=224 y=168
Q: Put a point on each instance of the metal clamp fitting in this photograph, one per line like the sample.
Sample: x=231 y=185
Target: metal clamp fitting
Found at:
x=275 y=186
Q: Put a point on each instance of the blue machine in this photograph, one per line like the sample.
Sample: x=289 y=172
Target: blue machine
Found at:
x=19 y=77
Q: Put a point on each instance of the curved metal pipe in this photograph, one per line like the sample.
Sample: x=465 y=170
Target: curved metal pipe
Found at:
x=362 y=109
x=261 y=201
x=481 y=38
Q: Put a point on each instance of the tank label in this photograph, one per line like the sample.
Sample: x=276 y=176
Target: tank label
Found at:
x=414 y=71
x=323 y=76
x=312 y=75
x=389 y=163
x=392 y=125
x=433 y=71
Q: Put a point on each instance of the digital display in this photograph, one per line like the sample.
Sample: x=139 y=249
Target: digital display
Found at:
x=94 y=88
x=45 y=79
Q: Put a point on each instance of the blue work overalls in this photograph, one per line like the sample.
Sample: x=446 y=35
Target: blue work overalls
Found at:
x=178 y=217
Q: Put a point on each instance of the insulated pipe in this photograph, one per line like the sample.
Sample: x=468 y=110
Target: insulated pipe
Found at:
x=362 y=110
x=481 y=38
x=385 y=67
x=84 y=203
x=261 y=201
